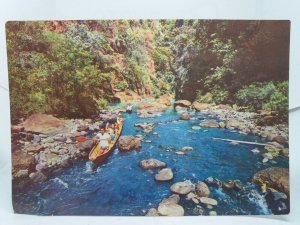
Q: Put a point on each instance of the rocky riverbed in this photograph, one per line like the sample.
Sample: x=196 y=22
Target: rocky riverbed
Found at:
x=40 y=154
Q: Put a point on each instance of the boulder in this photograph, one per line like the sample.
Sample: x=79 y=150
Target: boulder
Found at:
x=152 y=107
x=42 y=123
x=152 y=212
x=65 y=161
x=170 y=210
x=83 y=127
x=229 y=184
x=222 y=124
x=182 y=103
x=21 y=174
x=165 y=174
x=36 y=138
x=182 y=188
x=208 y=201
x=127 y=143
x=60 y=138
x=151 y=164
x=165 y=99
x=233 y=124
x=173 y=199
x=22 y=161
x=280 y=139
x=34 y=148
x=213 y=213
x=274 y=177
x=184 y=116
x=37 y=177
x=210 y=123
x=202 y=189
x=86 y=145
x=17 y=128
x=187 y=148
x=200 y=106
x=213 y=182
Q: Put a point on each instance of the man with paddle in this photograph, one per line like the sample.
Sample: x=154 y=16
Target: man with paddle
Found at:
x=104 y=140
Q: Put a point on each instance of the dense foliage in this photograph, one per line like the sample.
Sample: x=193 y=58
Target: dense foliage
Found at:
x=71 y=68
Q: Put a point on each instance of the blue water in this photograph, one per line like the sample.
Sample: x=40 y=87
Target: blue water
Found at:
x=121 y=187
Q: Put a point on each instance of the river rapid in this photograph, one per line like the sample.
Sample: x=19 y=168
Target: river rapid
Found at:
x=121 y=187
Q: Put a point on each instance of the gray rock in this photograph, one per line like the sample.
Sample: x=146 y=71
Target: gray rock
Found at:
x=152 y=212
x=208 y=201
x=182 y=188
x=37 y=177
x=22 y=174
x=173 y=199
x=165 y=174
x=60 y=138
x=36 y=138
x=170 y=210
x=222 y=124
x=196 y=128
x=210 y=123
x=65 y=161
x=213 y=213
x=187 y=148
x=184 y=116
x=86 y=145
x=151 y=164
x=202 y=189
x=127 y=143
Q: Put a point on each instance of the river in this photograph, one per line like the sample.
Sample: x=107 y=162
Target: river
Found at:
x=121 y=187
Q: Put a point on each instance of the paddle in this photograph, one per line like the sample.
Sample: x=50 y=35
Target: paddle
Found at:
x=83 y=139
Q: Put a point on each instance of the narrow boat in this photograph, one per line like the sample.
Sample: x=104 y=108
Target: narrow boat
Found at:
x=97 y=158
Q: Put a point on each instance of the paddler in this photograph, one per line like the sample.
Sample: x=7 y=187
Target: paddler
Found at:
x=104 y=139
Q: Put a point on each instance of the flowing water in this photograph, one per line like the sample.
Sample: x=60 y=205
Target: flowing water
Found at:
x=121 y=187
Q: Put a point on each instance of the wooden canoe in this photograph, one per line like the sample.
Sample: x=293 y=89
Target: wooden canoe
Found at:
x=97 y=158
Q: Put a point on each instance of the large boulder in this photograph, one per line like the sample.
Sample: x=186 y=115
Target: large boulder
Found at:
x=182 y=188
x=165 y=174
x=210 y=123
x=86 y=145
x=182 y=103
x=274 y=177
x=42 y=123
x=200 y=106
x=127 y=143
x=202 y=189
x=151 y=164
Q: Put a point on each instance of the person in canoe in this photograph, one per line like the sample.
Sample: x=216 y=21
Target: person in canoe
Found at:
x=129 y=108
x=112 y=131
x=104 y=139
